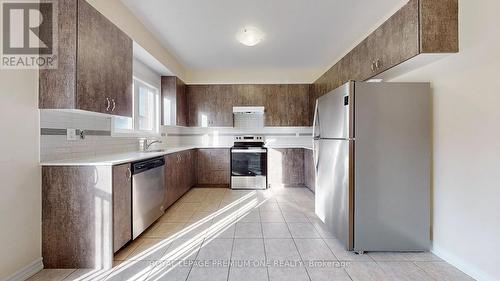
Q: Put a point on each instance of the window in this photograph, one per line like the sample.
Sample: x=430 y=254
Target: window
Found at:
x=146 y=114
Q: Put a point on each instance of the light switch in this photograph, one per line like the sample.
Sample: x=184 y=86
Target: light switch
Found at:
x=71 y=135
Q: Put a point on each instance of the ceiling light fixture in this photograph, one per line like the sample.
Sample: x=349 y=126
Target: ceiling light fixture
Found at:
x=250 y=36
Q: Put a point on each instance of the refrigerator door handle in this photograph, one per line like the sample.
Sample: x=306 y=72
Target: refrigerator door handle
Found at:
x=315 y=156
x=316 y=123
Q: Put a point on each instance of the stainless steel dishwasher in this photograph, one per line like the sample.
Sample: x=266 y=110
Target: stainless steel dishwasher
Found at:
x=148 y=193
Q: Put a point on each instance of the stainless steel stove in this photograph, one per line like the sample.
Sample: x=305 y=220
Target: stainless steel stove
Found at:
x=249 y=163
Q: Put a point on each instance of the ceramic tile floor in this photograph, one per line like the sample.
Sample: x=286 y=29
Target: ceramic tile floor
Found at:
x=222 y=234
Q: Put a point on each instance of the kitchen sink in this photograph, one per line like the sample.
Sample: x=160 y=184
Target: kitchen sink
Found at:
x=155 y=150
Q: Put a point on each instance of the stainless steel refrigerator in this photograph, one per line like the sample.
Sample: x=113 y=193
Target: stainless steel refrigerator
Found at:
x=372 y=153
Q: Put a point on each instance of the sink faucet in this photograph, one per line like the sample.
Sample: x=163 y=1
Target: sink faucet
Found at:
x=146 y=144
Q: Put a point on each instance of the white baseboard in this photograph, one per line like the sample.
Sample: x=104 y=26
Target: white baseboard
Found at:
x=26 y=272
x=462 y=265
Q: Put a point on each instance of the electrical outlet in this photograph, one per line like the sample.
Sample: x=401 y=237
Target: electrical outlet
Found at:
x=71 y=135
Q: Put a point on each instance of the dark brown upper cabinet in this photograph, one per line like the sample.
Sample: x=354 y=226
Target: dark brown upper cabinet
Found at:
x=212 y=105
x=174 y=105
x=419 y=27
x=95 y=64
x=395 y=41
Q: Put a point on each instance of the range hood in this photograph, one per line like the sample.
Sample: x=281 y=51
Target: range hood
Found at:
x=248 y=117
x=248 y=110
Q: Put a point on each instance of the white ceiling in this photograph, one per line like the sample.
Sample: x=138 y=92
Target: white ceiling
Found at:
x=306 y=35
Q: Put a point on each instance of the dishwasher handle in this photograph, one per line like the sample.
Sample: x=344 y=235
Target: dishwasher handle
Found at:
x=142 y=166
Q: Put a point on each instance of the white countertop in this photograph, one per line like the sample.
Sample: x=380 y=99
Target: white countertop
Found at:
x=121 y=158
x=114 y=159
x=289 y=146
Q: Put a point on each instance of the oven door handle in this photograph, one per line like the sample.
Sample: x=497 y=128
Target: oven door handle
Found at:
x=253 y=150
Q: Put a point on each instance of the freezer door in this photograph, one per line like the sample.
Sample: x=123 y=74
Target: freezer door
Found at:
x=333 y=113
x=334 y=189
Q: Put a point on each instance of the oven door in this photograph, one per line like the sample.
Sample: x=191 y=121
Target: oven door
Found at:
x=249 y=168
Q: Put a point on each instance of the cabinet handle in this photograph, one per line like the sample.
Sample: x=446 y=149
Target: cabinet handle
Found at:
x=114 y=105
x=108 y=104
x=378 y=64
x=373 y=66
x=129 y=174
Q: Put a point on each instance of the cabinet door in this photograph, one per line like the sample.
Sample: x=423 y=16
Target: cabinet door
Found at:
x=397 y=40
x=219 y=167
x=168 y=101
x=188 y=167
x=170 y=179
x=361 y=59
x=195 y=106
x=182 y=110
x=210 y=105
x=122 y=206
x=297 y=99
x=57 y=86
x=104 y=64
x=183 y=176
x=123 y=74
x=276 y=105
x=192 y=168
x=203 y=166
x=223 y=108
x=286 y=167
x=213 y=167
x=218 y=107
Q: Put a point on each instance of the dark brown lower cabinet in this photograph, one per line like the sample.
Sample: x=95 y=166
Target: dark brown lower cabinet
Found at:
x=286 y=167
x=180 y=175
x=77 y=216
x=309 y=169
x=122 y=206
x=171 y=172
x=191 y=159
x=213 y=167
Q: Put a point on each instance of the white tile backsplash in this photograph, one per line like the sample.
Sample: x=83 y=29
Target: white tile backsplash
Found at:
x=56 y=147
x=275 y=136
x=57 y=119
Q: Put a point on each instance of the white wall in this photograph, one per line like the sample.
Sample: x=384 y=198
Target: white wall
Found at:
x=466 y=89
x=20 y=199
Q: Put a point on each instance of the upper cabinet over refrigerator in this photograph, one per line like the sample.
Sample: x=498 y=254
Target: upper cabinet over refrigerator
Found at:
x=333 y=117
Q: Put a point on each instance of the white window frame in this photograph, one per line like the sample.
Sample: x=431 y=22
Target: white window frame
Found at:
x=135 y=132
